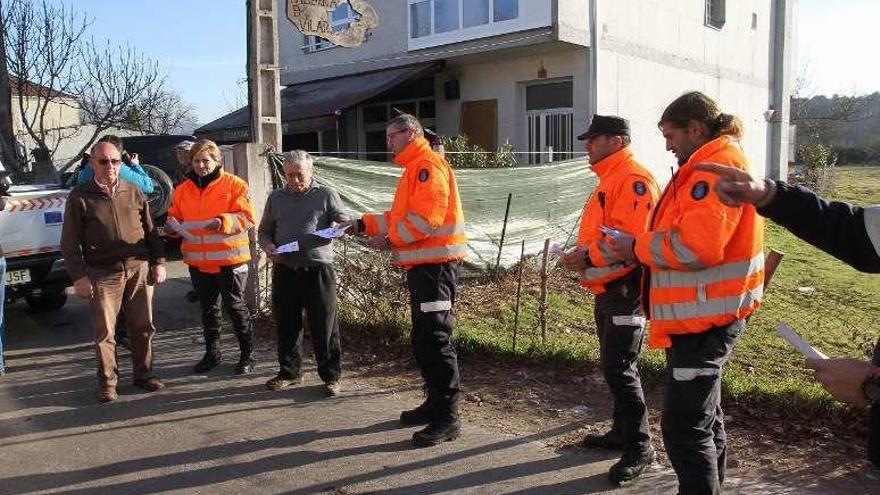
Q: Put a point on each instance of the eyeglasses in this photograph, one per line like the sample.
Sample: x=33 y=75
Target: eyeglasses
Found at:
x=108 y=161
x=389 y=135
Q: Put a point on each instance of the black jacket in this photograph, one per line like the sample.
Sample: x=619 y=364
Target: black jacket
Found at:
x=837 y=228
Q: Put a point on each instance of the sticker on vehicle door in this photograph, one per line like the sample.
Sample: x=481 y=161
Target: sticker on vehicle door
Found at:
x=53 y=217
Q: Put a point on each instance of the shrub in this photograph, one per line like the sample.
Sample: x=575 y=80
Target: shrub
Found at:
x=460 y=153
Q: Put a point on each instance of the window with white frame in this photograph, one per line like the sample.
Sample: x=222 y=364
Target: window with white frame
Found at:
x=340 y=18
x=715 y=13
x=429 y=17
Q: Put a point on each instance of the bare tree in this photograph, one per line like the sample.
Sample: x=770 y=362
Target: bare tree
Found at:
x=53 y=64
x=163 y=112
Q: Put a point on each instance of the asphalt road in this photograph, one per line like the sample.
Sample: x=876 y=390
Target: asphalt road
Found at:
x=218 y=433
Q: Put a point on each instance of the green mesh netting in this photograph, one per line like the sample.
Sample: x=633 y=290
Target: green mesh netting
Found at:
x=546 y=202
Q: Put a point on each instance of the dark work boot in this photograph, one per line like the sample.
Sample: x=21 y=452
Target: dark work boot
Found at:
x=610 y=440
x=444 y=427
x=209 y=361
x=246 y=362
x=245 y=365
x=420 y=415
x=631 y=466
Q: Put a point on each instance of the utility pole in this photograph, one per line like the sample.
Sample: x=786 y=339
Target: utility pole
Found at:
x=264 y=81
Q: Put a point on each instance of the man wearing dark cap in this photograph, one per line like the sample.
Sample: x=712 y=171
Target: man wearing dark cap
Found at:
x=621 y=203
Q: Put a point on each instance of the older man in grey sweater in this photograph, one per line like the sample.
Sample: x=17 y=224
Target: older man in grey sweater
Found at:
x=303 y=278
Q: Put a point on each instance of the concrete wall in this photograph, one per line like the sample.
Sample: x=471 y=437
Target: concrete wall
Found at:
x=505 y=79
x=59 y=113
x=651 y=51
x=389 y=45
x=388 y=39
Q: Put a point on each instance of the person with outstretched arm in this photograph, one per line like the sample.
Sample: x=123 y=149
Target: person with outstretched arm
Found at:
x=849 y=233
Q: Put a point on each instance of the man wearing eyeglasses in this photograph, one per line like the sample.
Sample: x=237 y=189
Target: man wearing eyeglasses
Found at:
x=425 y=231
x=113 y=254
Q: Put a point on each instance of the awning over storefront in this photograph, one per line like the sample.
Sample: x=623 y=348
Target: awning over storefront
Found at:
x=311 y=106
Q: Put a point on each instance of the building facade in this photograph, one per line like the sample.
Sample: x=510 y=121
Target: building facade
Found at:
x=529 y=73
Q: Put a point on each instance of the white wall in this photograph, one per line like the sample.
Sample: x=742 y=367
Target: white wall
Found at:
x=505 y=79
x=386 y=41
x=651 y=51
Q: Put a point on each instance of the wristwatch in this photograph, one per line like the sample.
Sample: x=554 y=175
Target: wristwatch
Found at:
x=871 y=389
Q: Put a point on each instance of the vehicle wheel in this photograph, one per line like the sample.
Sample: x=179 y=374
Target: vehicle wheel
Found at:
x=160 y=198
x=47 y=300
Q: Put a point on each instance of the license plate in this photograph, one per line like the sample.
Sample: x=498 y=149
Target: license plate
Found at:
x=16 y=277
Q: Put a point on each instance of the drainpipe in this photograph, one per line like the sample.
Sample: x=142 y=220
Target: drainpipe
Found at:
x=593 y=61
x=778 y=114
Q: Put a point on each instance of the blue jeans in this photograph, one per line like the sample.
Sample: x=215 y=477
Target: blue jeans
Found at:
x=2 y=306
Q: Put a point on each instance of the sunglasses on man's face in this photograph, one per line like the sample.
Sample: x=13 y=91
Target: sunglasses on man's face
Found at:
x=108 y=161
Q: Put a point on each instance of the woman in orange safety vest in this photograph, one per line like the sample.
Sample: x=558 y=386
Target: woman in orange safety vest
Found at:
x=211 y=211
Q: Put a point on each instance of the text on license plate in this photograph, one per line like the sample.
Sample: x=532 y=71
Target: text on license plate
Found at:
x=18 y=277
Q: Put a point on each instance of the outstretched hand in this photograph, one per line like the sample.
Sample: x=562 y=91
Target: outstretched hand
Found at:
x=736 y=186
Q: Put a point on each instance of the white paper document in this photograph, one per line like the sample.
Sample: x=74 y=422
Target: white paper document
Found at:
x=331 y=232
x=290 y=247
x=174 y=225
x=790 y=336
x=614 y=233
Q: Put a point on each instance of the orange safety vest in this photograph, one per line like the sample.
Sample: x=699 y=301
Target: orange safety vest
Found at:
x=226 y=198
x=705 y=260
x=623 y=201
x=426 y=223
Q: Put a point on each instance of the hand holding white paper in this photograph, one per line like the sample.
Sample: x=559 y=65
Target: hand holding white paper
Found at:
x=331 y=232
x=290 y=247
x=790 y=336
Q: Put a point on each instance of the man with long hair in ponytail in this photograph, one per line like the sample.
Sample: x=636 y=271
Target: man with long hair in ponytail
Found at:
x=704 y=275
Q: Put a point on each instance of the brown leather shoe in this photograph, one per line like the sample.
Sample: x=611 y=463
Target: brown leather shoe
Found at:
x=149 y=384
x=106 y=394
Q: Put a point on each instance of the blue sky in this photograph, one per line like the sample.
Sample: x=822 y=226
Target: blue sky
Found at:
x=201 y=44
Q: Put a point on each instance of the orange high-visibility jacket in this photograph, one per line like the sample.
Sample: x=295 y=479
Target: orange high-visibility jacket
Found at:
x=426 y=223
x=623 y=200
x=226 y=198
x=705 y=260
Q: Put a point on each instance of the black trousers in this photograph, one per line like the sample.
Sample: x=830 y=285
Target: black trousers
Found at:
x=312 y=289
x=228 y=287
x=432 y=295
x=874 y=421
x=620 y=324
x=692 y=420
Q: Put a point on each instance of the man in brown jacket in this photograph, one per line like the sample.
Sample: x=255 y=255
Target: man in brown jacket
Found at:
x=113 y=254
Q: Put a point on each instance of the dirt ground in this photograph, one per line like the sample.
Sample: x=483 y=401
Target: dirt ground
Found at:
x=524 y=398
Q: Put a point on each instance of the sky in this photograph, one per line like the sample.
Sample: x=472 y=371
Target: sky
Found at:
x=837 y=46
x=201 y=45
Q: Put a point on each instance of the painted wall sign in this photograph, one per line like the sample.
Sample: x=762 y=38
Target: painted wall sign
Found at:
x=312 y=17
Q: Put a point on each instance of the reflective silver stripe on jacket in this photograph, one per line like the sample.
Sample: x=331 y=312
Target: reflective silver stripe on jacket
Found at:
x=656 y=249
x=718 y=273
x=221 y=238
x=598 y=272
x=217 y=255
x=381 y=224
x=629 y=321
x=431 y=253
x=404 y=233
x=689 y=374
x=684 y=255
x=435 y=306
x=872 y=225
x=419 y=223
x=712 y=307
